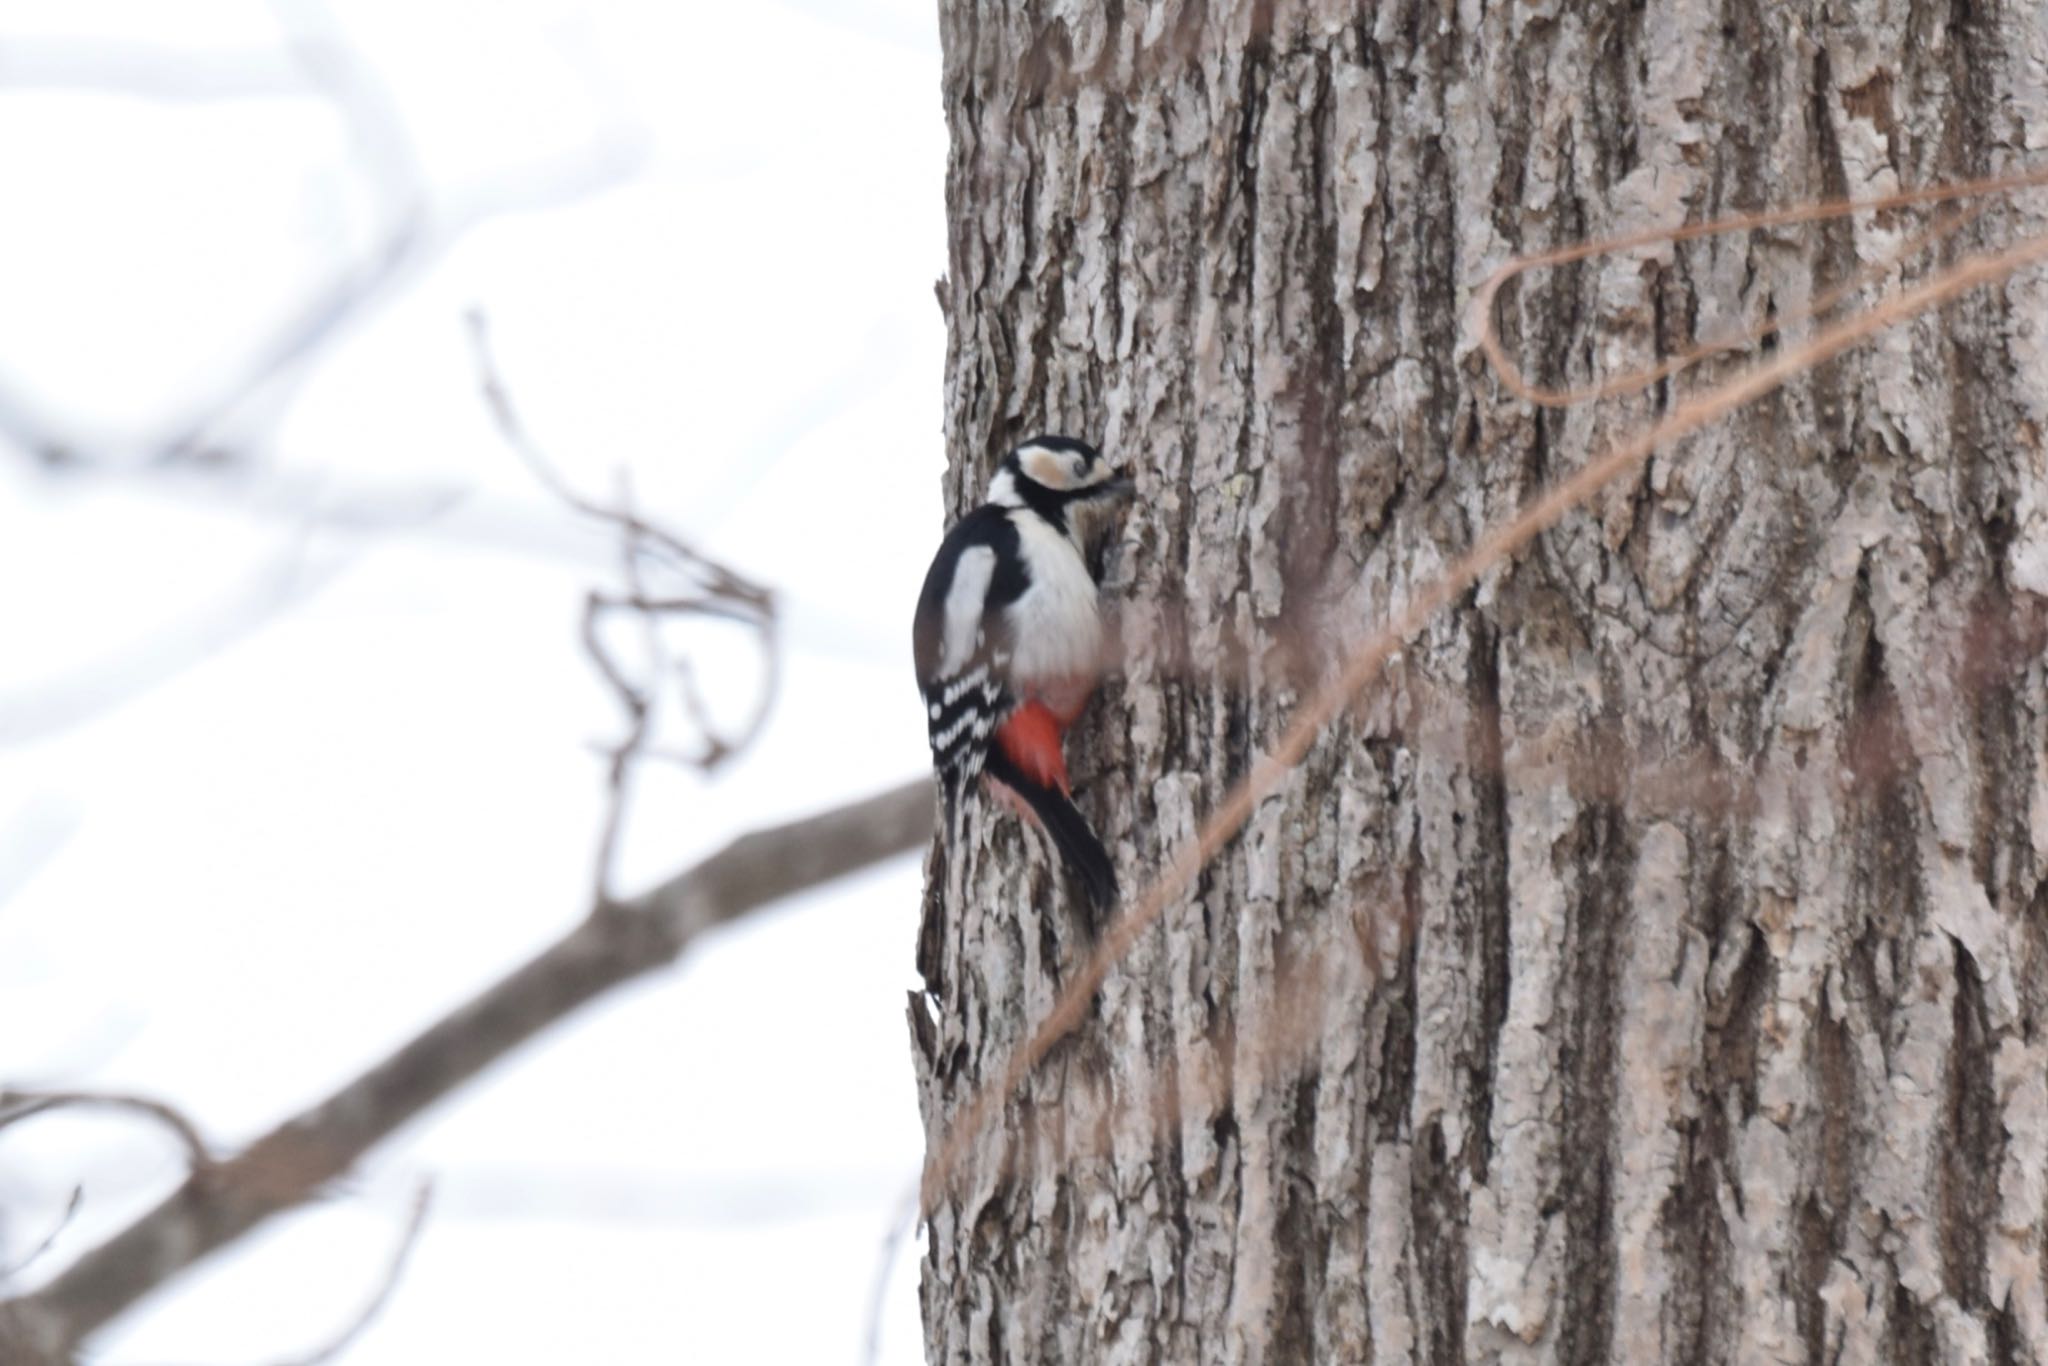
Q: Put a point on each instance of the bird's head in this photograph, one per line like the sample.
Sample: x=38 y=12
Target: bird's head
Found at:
x=1056 y=471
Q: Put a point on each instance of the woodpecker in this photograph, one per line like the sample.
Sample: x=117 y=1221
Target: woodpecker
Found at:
x=1008 y=641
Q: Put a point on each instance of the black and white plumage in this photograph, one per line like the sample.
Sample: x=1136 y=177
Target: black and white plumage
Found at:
x=1008 y=642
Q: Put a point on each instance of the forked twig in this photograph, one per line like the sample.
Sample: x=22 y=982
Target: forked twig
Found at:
x=709 y=589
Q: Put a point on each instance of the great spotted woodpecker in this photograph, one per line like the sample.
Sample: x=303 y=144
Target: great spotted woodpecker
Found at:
x=1009 y=643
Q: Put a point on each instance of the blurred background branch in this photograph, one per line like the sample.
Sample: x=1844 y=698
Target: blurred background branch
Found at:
x=615 y=943
x=418 y=226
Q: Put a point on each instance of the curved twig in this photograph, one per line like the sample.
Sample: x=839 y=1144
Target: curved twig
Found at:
x=1512 y=378
x=901 y=1221
x=708 y=589
x=49 y=1240
x=16 y=1106
x=408 y=1238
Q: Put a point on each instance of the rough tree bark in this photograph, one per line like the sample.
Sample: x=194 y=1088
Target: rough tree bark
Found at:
x=1652 y=966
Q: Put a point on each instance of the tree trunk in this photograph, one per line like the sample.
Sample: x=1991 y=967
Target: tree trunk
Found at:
x=1649 y=967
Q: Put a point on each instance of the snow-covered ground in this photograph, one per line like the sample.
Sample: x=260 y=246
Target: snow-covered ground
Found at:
x=295 y=751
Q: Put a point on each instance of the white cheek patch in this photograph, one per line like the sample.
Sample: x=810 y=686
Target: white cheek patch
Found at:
x=1042 y=466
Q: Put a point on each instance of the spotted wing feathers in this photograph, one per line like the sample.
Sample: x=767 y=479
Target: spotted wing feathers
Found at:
x=963 y=646
x=961 y=714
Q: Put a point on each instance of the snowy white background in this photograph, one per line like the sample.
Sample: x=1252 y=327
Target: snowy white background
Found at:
x=295 y=748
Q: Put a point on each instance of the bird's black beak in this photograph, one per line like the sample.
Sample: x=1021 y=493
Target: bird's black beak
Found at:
x=1118 y=485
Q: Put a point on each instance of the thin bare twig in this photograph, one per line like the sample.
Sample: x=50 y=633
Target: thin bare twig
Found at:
x=1518 y=384
x=288 y=578
x=16 y=1106
x=334 y=70
x=414 y=231
x=145 y=70
x=694 y=586
x=619 y=754
x=35 y=1254
x=394 y=1268
x=615 y=943
x=418 y=226
x=632 y=700
x=660 y=547
x=1634 y=381
x=901 y=1222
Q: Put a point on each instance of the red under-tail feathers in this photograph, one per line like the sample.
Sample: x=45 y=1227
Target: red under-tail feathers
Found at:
x=1033 y=737
x=1027 y=760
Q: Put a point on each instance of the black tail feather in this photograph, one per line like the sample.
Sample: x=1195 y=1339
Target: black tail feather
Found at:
x=949 y=794
x=1088 y=864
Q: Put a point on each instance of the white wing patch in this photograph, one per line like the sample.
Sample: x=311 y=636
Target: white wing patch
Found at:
x=965 y=598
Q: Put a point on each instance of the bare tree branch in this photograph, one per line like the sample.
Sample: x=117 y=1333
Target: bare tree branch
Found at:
x=143 y=70
x=415 y=231
x=418 y=225
x=287 y=578
x=295 y=573
x=615 y=943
